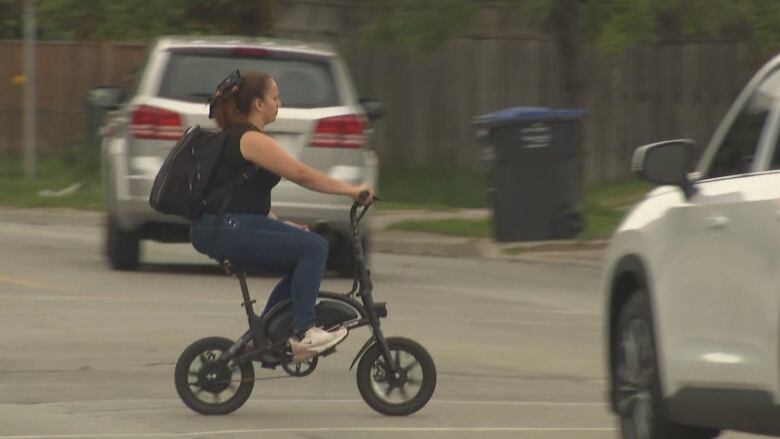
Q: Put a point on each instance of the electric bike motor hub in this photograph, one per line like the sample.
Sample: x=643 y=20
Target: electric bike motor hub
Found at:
x=214 y=376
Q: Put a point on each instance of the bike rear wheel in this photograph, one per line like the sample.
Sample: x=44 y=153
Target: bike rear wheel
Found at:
x=409 y=390
x=210 y=386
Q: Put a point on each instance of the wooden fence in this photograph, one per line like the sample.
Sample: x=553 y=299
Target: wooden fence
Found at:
x=646 y=94
x=65 y=73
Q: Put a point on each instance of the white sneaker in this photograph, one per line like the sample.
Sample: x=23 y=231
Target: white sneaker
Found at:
x=316 y=341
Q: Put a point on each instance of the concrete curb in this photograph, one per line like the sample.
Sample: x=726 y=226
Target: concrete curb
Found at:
x=569 y=252
x=587 y=254
x=582 y=253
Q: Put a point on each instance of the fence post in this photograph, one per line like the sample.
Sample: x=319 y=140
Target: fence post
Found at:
x=30 y=122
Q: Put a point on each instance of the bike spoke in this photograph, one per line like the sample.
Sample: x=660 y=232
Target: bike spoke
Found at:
x=404 y=395
x=411 y=366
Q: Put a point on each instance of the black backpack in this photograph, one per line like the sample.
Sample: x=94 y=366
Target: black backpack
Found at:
x=181 y=186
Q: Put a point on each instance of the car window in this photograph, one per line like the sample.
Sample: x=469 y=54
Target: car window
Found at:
x=736 y=152
x=303 y=83
x=776 y=155
x=776 y=150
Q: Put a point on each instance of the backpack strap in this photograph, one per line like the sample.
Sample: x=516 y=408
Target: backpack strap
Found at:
x=226 y=191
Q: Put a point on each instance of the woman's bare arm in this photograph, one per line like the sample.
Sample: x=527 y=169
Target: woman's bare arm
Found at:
x=262 y=150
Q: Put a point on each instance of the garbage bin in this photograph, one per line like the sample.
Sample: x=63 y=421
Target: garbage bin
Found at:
x=532 y=155
x=100 y=100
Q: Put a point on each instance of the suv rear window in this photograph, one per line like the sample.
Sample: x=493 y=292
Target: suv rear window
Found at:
x=304 y=82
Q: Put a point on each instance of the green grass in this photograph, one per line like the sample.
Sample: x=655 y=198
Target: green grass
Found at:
x=603 y=208
x=53 y=172
x=428 y=188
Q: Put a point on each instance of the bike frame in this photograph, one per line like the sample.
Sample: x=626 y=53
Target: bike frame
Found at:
x=369 y=312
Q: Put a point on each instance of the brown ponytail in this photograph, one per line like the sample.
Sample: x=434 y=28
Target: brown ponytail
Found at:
x=235 y=109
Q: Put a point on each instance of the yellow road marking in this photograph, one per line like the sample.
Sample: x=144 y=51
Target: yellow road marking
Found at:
x=33 y=284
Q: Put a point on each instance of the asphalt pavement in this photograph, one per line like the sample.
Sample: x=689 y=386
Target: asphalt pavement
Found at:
x=89 y=352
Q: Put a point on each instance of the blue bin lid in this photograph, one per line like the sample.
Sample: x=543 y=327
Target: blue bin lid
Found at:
x=527 y=114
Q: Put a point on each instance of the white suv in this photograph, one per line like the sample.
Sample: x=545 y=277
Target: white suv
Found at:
x=692 y=281
x=321 y=123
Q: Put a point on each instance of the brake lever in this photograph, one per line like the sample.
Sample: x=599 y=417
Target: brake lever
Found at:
x=365 y=208
x=362 y=213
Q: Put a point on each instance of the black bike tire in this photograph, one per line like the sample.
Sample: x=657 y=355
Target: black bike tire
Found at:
x=181 y=377
x=428 y=381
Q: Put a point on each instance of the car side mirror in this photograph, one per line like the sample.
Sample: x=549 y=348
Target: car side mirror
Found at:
x=374 y=109
x=666 y=163
x=106 y=97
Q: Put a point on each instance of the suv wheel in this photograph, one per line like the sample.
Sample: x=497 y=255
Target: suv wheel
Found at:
x=122 y=247
x=639 y=400
x=341 y=258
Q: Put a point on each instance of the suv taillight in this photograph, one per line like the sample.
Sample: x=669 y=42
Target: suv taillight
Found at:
x=155 y=123
x=339 y=132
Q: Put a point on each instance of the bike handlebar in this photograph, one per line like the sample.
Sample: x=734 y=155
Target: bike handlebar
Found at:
x=362 y=277
x=353 y=217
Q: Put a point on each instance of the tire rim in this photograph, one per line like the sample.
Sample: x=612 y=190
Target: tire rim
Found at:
x=635 y=374
x=212 y=382
x=404 y=386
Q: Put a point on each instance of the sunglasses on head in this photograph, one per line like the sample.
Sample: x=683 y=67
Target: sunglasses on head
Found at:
x=230 y=85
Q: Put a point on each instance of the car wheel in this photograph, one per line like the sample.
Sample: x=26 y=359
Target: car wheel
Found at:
x=342 y=259
x=122 y=247
x=639 y=399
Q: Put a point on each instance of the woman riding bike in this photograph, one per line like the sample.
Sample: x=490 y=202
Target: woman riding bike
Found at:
x=249 y=235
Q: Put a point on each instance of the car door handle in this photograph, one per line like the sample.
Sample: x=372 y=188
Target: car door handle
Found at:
x=716 y=222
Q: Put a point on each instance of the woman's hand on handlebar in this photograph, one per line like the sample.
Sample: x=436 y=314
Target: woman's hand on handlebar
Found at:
x=358 y=194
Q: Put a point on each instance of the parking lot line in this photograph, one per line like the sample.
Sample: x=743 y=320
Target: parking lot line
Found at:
x=323 y=430
x=33 y=284
x=347 y=401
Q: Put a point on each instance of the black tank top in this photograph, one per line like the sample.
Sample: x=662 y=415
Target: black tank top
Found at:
x=252 y=196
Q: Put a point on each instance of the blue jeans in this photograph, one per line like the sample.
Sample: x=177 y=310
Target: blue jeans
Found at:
x=257 y=243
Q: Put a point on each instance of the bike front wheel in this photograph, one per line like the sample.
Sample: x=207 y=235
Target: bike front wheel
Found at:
x=402 y=393
x=210 y=386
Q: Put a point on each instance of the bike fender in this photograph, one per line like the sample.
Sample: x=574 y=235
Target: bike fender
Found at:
x=370 y=342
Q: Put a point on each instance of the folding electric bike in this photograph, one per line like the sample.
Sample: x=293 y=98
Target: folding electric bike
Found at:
x=396 y=376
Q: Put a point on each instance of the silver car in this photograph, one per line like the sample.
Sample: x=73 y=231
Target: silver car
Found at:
x=322 y=123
